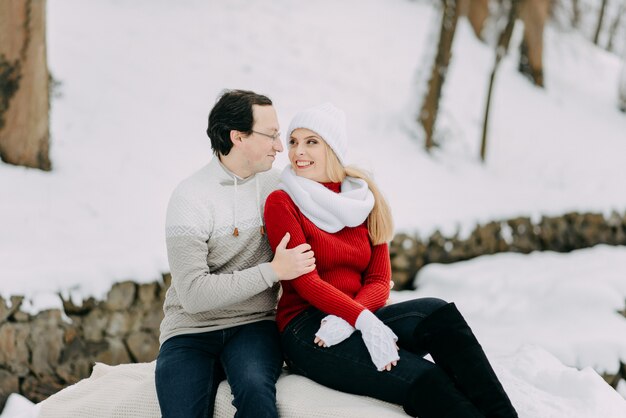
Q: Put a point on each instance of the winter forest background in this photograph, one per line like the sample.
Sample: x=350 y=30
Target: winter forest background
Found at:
x=496 y=129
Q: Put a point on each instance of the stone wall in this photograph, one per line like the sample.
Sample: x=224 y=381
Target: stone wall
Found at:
x=43 y=353
x=40 y=354
x=409 y=253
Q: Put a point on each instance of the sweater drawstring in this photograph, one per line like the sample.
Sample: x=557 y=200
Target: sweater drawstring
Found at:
x=258 y=205
x=258 y=208
x=235 y=230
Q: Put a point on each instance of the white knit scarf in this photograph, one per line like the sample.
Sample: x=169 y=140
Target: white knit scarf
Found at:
x=329 y=211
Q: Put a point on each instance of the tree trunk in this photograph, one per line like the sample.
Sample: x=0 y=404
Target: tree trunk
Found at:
x=600 y=19
x=430 y=106
x=534 y=14
x=622 y=87
x=576 y=14
x=615 y=26
x=501 y=49
x=477 y=14
x=24 y=79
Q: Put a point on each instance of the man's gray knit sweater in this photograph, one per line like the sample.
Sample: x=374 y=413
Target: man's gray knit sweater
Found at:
x=219 y=280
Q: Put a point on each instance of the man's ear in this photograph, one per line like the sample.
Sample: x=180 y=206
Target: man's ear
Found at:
x=235 y=137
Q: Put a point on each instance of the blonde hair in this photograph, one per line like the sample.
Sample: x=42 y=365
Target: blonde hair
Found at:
x=379 y=221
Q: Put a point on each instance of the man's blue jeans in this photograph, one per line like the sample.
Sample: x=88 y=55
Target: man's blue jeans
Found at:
x=190 y=367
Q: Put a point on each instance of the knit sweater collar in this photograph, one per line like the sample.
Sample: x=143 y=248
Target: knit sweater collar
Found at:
x=335 y=187
x=225 y=176
x=228 y=178
x=331 y=206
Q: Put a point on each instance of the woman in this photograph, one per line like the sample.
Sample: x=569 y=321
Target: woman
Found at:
x=342 y=215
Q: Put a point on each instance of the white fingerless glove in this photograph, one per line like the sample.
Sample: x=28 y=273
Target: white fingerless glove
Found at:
x=379 y=339
x=334 y=330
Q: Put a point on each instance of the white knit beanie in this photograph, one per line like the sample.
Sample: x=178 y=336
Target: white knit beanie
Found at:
x=327 y=121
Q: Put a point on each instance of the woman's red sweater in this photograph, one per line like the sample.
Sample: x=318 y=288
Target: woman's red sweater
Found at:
x=351 y=275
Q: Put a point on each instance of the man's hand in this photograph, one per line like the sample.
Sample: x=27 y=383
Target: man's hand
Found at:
x=292 y=263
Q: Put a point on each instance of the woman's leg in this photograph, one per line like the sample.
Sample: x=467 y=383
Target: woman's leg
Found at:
x=437 y=327
x=420 y=386
x=403 y=317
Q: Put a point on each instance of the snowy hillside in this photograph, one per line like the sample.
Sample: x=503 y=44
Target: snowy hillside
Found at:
x=138 y=79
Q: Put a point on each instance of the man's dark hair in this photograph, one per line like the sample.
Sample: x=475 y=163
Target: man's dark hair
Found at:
x=233 y=111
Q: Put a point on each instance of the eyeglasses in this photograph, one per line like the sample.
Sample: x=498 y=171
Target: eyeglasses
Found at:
x=275 y=137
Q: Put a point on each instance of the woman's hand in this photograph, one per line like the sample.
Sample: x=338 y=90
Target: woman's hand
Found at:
x=379 y=340
x=393 y=363
x=333 y=331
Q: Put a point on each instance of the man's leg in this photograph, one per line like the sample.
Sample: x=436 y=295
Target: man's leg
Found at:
x=188 y=374
x=252 y=360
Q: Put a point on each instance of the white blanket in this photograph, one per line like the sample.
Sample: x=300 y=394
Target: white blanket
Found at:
x=539 y=385
x=128 y=390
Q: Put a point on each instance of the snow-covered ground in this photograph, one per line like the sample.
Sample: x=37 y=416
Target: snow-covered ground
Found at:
x=138 y=79
x=568 y=304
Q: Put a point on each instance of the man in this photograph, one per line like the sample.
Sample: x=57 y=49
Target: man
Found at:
x=219 y=310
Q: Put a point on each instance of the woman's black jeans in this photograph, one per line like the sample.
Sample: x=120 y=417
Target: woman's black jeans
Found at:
x=461 y=385
x=347 y=366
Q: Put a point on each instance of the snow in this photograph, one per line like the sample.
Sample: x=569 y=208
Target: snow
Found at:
x=128 y=120
x=565 y=303
x=540 y=386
